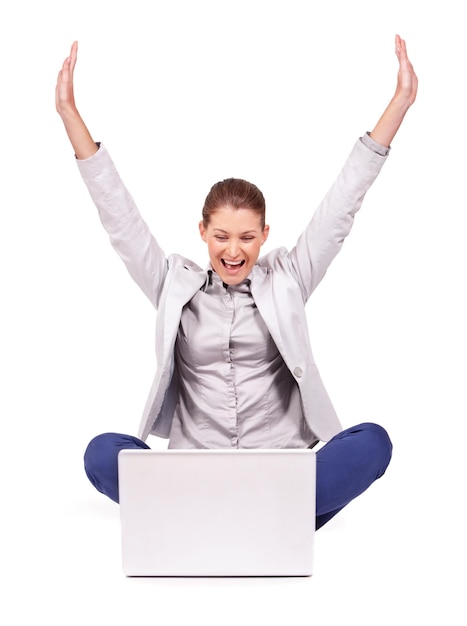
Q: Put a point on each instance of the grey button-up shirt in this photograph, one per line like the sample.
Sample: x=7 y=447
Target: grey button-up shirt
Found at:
x=235 y=389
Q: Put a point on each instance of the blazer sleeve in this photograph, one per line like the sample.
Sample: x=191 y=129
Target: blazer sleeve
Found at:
x=334 y=217
x=128 y=232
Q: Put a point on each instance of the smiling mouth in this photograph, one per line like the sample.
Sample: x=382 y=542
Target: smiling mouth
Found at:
x=232 y=265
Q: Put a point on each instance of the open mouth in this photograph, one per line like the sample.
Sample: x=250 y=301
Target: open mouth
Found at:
x=232 y=265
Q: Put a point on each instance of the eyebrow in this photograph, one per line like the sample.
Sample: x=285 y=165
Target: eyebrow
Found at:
x=246 y=232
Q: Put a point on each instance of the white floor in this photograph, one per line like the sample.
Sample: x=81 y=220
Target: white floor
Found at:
x=391 y=558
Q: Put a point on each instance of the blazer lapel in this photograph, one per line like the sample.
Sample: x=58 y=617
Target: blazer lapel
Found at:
x=185 y=282
x=263 y=295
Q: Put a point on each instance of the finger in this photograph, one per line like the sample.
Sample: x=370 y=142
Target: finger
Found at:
x=401 y=50
x=64 y=74
x=73 y=56
x=403 y=47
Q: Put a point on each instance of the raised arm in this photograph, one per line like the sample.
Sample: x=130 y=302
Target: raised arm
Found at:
x=404 y=97
x=333 y=219
x=128 y=232
x=77 y=131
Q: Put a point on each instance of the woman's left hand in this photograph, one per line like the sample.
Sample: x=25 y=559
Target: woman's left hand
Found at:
x=407 y=81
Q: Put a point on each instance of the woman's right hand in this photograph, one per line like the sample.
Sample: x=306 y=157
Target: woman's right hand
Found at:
x=64 y=91
x=80 y=138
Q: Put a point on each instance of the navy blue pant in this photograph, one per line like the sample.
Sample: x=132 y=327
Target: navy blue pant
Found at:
x=346 y=465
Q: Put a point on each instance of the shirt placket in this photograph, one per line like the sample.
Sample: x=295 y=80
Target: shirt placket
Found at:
x=231 y=392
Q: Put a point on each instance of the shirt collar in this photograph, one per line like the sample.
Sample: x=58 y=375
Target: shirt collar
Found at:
x=213 y=279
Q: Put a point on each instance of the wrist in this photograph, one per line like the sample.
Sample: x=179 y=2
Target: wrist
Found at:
x=68 y=112
x=401 y=102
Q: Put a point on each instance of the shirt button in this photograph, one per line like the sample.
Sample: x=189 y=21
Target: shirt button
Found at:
x=298 y=372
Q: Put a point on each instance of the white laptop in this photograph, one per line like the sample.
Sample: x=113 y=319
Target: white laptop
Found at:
x=217 y=512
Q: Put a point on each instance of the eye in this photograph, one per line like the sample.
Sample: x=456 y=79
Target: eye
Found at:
x=247 y=238
x=221 y=238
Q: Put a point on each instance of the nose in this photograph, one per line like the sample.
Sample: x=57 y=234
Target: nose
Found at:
x=233 y=248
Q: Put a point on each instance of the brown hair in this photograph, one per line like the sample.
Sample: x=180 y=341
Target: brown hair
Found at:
x=234 y=193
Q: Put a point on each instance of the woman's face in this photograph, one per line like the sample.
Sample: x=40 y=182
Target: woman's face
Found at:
x=234 y=238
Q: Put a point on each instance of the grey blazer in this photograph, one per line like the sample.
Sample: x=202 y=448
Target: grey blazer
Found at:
x=281 y=281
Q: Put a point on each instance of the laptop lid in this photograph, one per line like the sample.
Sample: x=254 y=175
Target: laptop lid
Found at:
x=217 y=512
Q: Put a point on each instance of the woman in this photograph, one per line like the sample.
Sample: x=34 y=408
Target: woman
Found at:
x=235 y=367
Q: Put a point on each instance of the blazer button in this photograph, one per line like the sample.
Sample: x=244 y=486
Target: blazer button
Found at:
x=298 y=372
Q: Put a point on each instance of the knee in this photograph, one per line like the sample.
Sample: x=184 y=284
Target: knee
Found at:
x=97 y=450
x=101 y=463
x=102 y=451
x=379 y=443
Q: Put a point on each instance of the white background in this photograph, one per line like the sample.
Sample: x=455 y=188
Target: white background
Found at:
x=184 y=94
